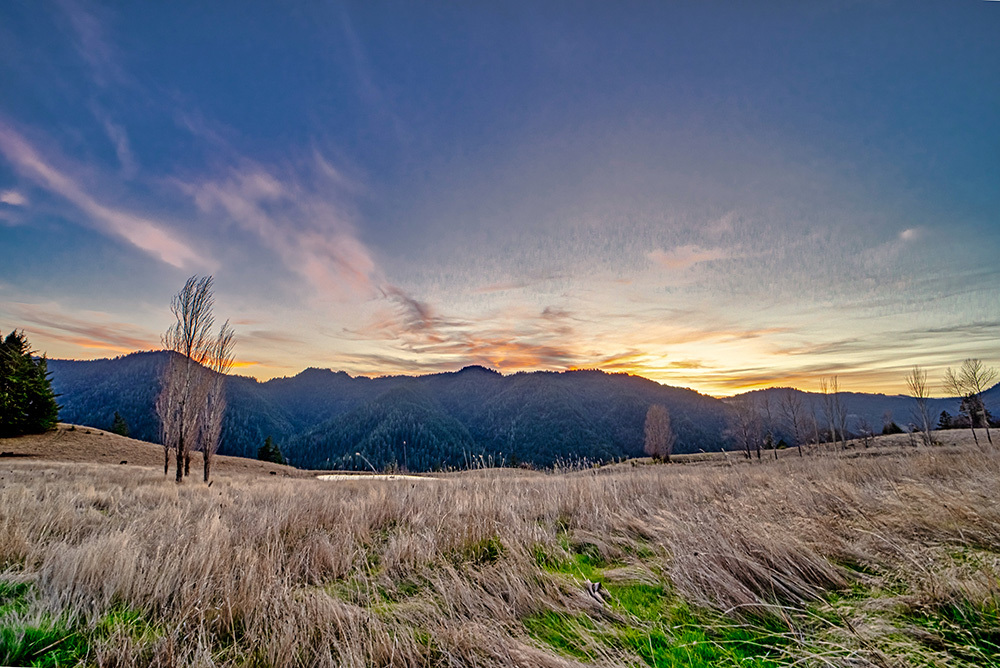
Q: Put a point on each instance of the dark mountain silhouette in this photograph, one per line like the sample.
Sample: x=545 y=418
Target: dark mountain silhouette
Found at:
x=875 y=409
x=321 y=418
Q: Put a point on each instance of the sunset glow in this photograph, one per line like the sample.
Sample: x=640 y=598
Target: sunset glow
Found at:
x=716 y=197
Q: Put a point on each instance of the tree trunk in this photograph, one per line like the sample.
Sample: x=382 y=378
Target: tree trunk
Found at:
x=180 y=460
x=207 y=457
x=166 y=459
x=187 y=463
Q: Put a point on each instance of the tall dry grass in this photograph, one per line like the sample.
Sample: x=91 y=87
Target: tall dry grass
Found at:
x=264 y=571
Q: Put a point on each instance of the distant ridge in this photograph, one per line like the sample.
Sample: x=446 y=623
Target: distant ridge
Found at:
x=322 y=418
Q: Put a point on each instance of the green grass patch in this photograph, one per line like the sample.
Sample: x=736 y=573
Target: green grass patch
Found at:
x=970 y=632
x=659 y=628
x=566 y=633
x=35 y=640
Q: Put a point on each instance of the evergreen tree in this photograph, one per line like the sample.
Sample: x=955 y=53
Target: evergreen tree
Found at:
x=27 y=402
x=119 y=426
x=269 y=452
x=945 y=421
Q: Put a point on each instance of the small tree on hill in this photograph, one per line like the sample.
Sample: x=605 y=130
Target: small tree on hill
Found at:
x=190 y=401
x=916 y=382
x=745 y=424
x=971 y=380
x=119 y=425
x=659 y=443
x=27 y=402
x=269 y=452
x=790 y=407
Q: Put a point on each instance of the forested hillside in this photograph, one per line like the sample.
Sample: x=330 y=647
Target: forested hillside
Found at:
x=321 y=418
x=863 y=410
x=326 y=419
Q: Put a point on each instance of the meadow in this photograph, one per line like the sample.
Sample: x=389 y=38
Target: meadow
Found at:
x=881 y=556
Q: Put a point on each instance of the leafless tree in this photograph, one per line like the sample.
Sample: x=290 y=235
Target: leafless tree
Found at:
x=830 y=405
x=865 y=431
x=181 y=404
x=973 y=378
x=766 y=414
x=660 y=437
x=790 y=408
x=916 y=382
x=746 y=424
x=215 y=396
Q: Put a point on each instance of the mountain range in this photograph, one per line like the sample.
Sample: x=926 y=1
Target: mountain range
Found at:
x=326 y=419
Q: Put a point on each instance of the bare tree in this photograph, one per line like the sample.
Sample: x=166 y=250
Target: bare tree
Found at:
x=180 y=404
x=973 y=378
x=790 y=407
x=746 y=425
x=916 y=382
x=865 y=431
x=829 y=406
x=660 y=437
x=215 y=397
x=767 y=421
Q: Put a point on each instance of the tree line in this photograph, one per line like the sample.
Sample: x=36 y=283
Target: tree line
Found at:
x=775 y=419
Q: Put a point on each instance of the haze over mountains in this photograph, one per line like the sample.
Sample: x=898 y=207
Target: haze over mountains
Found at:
x=321 y=418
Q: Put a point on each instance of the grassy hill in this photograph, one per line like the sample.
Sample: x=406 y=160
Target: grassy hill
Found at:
x=882 y=556
x=86 y=445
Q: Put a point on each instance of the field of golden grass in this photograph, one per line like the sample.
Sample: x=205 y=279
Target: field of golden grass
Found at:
x=73 y=443
x=883 y=556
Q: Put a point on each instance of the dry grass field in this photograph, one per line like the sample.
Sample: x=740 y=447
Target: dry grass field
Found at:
x=885 y=556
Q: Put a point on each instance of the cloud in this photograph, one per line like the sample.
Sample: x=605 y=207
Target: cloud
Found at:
x=92 y=43
x=910 y=234
x=13 y=197
x=123 y=149
x=683 y=257
x=148 y=235
x=304 y=222
x=87 y=329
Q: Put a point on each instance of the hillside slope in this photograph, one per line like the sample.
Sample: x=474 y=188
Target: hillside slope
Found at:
x=80 y=444
x=321 y=418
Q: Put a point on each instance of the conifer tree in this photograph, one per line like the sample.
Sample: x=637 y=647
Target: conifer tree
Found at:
x=119 y=425
x=27 y=402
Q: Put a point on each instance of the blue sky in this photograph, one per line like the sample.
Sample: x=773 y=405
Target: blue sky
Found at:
x=717 y=195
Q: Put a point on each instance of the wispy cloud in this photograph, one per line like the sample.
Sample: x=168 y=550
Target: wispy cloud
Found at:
x=119 y=139
x=682 y=257
x=13 y=198
x=88 y=329
x=92 y=43
x=150 y=236
x=305 y=223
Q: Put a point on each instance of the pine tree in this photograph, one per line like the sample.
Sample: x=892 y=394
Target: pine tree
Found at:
x=27 y=402
x=269 y=452
x=119 y=426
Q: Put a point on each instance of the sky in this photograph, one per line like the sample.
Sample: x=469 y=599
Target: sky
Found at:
x=714 y=195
